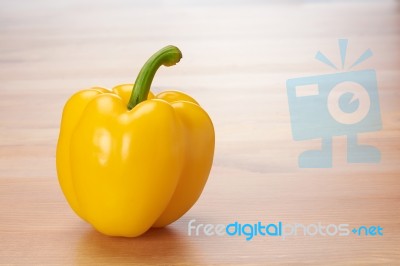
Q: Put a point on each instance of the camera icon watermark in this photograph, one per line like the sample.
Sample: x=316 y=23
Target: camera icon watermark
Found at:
x=344 y=103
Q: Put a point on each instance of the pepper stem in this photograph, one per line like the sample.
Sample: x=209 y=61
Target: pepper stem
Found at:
x=167 y=56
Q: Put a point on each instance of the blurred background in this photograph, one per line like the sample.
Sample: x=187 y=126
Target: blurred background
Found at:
x=236 y=55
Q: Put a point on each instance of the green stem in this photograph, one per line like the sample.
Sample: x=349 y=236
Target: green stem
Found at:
x=167 y=56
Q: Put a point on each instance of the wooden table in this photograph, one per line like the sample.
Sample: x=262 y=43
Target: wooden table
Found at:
x=236 y=60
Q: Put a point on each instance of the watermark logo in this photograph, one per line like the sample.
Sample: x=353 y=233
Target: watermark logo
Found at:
x=281 y=230
x=343 y=103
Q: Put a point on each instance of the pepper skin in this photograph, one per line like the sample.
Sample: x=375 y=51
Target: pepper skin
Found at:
x=128 y=160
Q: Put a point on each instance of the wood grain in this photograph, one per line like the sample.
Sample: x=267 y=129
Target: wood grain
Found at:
x=236 y=60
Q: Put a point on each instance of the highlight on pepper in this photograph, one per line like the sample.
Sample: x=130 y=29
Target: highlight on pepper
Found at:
x=128 y=160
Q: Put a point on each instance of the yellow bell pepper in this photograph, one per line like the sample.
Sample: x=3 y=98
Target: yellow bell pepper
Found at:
x=128 y=160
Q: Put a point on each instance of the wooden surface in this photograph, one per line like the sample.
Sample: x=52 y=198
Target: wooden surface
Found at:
x=236 y=60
